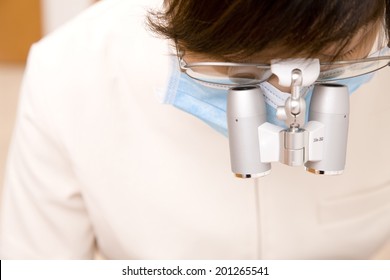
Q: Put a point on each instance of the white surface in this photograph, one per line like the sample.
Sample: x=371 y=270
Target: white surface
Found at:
x=270 y=142
x=57 y=12
x=196 y=269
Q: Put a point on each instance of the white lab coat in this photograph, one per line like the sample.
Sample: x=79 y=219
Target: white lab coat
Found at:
x=97 y=161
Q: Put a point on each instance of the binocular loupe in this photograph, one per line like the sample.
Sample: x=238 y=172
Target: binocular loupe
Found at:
x=319 y=145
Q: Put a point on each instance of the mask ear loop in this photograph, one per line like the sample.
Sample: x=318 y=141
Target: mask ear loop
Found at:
x=180 y=54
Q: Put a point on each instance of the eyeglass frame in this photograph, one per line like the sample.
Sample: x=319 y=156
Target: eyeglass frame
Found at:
x=184 y=66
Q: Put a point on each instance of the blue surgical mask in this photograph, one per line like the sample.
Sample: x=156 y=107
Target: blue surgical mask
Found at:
x=208 y=103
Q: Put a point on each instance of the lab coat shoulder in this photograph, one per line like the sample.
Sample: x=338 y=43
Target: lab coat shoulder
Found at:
x=75 y=88
x=105 y=35
x=95 y=57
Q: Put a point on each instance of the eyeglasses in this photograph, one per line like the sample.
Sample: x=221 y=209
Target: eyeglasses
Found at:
x=233 y=74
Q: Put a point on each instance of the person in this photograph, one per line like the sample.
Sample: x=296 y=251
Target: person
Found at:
x=97 y=163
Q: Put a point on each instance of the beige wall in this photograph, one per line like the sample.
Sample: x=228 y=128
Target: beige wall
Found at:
x=10 y=79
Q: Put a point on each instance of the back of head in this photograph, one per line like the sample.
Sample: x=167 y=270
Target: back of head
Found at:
x=239 y=29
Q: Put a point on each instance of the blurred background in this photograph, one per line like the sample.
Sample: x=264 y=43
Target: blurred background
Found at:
x=23 y=22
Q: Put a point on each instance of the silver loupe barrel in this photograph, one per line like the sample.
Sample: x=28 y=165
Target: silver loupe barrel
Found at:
x=330 y=106
x=246 y=111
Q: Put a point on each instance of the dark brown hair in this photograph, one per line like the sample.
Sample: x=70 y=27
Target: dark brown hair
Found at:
x=242 y=28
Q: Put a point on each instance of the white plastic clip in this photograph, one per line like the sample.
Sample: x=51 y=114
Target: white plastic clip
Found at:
x=269 y=135
x=310 y=69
